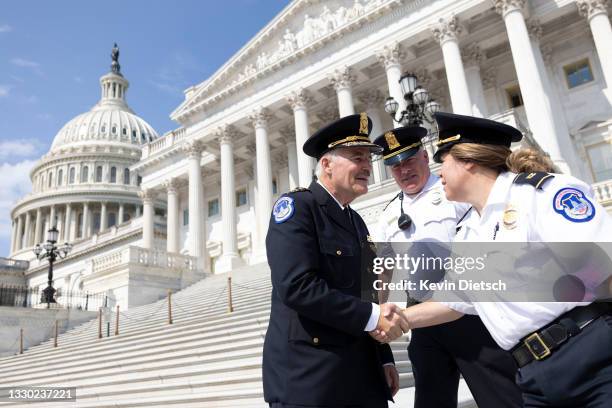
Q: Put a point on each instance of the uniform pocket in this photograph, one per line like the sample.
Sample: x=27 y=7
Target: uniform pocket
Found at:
x=304 y=330
x=340 y=263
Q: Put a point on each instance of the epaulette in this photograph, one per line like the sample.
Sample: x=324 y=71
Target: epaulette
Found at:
x=535 y=179
x=299 y=190
x=392 y=200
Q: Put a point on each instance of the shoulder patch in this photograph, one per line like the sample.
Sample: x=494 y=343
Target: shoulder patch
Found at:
x=283 y=209
x=299 y=190
x=535 y=179
x=573 y=205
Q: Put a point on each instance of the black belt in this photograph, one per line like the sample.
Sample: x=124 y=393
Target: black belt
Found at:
x=541 y=343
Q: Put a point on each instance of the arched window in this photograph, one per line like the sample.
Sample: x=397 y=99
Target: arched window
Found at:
x=99 y=174
x=85 y=175
x=126 y=176
x=60 y=176
x=50 y=179
x=113 y=175
x=71 y=176
x=103 y=128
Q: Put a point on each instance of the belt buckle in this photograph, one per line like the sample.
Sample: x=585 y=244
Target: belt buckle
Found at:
x=536 y=346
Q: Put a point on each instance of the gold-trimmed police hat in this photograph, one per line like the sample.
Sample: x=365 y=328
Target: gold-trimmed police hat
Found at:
x=454 y=129
x=349 y=131
x=400 y=143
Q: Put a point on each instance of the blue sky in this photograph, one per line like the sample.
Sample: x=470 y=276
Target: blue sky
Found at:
x=52 y=54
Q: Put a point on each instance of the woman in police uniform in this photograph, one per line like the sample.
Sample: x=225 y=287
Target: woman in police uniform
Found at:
x=563 y=349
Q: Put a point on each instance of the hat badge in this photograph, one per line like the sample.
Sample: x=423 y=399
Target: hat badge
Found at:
x=363 y=123
x=391 y=140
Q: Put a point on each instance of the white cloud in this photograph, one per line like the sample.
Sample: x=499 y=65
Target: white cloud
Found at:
x=5 y=28
x=14 y=184
x=27 y=64
x=21 y=62
x=4 y=90
x=20 y=148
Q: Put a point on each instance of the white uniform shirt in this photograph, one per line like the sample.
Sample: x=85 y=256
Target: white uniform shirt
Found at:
x=434 y=218
x=564 y=210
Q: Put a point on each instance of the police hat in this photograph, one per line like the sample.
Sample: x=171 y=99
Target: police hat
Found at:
x=401 y=143
x=349 y=131
x=454 y=129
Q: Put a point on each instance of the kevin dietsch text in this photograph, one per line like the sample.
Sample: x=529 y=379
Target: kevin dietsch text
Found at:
x=445 y=285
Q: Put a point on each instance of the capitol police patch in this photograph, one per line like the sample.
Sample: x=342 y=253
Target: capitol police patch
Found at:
x=573 y=205
x=283 y=209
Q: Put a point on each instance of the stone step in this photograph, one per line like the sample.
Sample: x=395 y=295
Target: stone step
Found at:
x=259 y=314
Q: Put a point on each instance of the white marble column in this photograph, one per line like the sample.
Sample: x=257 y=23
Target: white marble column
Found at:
x=299 y=101
x=597 y=15
x=60 y=226
x=13 y=235
x=19 y=240
x=446 y=33
x=374 y=100
x=85 y=221
x=568 y=151
x=67 y=223
x=103 y=217
x=28 y=231
x=472 y=58
x=172 y=240
x=342 y=80
x=147 y=196
x=390 y=57
x=196 y=200
x=229 y=258
x=259 y=119
x=121 y=214
x=537 y=105
x=52 y=217
x=37 y=227
x=288 y=133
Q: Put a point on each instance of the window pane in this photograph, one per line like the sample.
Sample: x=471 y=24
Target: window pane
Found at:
x=241 y=198
x=213 y=207
x=578 y=73
x=99 y=174
x=601 y=161
x=113 y=177
x=126 y=176
x=186 y=217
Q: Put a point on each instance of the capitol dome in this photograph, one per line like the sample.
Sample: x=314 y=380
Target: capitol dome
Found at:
x=110 y=120
x=84 y=184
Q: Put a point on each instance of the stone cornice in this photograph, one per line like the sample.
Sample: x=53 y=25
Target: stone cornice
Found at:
x=65 y=196
x=86 y=253
x=207 y=93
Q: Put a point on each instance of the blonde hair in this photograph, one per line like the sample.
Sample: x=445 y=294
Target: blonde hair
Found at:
x=501 y=158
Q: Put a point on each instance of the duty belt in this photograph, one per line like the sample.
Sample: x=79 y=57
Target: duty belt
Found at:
x=541 y=343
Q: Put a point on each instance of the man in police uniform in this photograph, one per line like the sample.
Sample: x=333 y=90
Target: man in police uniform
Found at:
x=421 y=214
x=318 y=351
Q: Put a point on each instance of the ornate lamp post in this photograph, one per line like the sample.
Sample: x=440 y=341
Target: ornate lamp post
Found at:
x=419 y=107
x=51 y=251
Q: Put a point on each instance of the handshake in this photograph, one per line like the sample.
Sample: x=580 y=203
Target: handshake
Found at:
x=391 y=323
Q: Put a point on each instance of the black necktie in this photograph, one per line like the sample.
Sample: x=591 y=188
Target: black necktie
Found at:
x=347 y=211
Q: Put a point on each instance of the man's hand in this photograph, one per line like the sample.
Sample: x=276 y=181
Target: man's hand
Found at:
x=392 y=377
x=391 y=323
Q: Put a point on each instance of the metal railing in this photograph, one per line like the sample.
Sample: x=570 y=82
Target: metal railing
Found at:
x=22 y=296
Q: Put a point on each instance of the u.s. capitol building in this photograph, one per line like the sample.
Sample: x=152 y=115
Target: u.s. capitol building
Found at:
x=148 y=213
